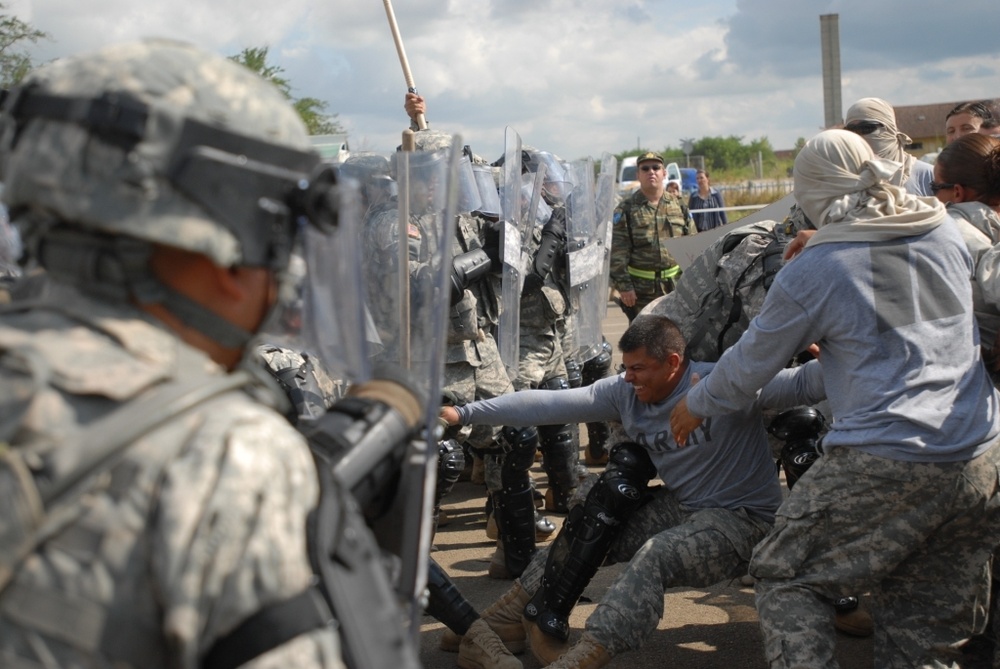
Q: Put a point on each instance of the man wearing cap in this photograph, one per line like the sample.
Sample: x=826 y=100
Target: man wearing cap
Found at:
x=642 y=268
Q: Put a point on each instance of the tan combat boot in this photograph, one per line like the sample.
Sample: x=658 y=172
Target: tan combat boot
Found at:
x=584 y=654
x=481 y=648
x=545 y=648
x=504 y=617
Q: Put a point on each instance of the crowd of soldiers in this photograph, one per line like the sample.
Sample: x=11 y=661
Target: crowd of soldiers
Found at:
x=229 y=373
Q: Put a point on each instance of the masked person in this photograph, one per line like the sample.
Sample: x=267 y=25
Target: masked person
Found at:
x=159 y=187
x=905 y=494
x=874 y=120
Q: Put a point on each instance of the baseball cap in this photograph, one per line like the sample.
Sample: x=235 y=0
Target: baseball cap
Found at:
x=649 y=155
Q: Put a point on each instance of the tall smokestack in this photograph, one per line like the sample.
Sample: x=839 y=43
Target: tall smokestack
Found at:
x=829 y=32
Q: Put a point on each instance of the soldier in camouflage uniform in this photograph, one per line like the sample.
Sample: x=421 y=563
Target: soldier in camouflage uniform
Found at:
x=473 y=368
x=642 y=268
x=544 y=305
x=200 y=525
x=700 y=528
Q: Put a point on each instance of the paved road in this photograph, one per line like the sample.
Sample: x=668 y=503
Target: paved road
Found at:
x=701 y=629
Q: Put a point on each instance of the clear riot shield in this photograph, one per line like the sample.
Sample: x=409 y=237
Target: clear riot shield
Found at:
x=604 y=208
x=336 y=324
x=406 y=270
x=585 y=254
x=511 y=253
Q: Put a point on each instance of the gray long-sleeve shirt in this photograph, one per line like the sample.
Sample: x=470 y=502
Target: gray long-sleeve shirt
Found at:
x=727 y=462
x=900 y=355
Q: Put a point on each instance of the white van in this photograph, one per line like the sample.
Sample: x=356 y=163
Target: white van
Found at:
x=331 y=148
x=628 y=176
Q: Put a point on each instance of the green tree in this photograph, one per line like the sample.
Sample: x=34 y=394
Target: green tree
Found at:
x=14 y=33
x=311 y=110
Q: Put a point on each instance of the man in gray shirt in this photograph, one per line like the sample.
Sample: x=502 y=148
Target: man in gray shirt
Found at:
x=698 y=529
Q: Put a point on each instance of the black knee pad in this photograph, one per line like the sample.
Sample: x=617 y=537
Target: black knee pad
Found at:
x=597 y=367
x=800 y=428
x=521 y=443
x=556 y=383
x=451 y=462
x=632 y=459
x=574 y=373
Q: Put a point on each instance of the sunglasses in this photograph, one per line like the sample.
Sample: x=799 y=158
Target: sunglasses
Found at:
x=864 y=127
x=651 y=168
x=935 y=186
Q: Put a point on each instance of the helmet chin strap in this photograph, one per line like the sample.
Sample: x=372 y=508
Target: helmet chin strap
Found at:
x=118 y=268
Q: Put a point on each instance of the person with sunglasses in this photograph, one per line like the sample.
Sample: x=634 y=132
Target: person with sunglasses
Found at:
x=904 y=503
x=875 y=120
x=967 y=181
x=642 y=268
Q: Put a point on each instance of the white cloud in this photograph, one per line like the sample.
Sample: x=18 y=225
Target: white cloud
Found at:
x=577 y=77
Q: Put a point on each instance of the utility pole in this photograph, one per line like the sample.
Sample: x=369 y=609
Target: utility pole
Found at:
x=829 y=33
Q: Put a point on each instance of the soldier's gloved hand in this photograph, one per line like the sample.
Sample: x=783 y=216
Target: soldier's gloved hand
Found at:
x=556 y=226
x=491 y=244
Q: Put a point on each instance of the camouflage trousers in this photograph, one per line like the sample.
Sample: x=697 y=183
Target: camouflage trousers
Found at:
x=666 y=545
x=917 y=536
x=485 y=379
x=646 y=290
x=540 y=360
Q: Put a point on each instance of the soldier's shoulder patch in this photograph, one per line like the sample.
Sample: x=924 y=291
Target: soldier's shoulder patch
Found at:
x=618 y=216
x=413 y=231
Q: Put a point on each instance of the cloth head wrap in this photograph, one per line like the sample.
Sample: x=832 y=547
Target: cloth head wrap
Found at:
x=846 y=192
x=887 y=142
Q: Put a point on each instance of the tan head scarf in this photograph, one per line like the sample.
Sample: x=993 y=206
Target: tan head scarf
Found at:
x=887 y=142
x=845 y=191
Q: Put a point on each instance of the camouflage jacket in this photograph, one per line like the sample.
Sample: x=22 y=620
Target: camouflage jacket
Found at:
x=470 y=320
x=200 y=524
x=640 y=234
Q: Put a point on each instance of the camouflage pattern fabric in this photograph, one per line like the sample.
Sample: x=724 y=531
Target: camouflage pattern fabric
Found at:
x=277 y=358
x=666 y=545
x=917 y=536
x=473 y=369
x=720 y=282
x=199 y=526
x=638 y=239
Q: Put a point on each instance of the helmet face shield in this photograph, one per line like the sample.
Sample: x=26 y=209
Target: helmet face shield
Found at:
x=488 y=193
x=558 y=183
x=321 y=308
x=468 y=191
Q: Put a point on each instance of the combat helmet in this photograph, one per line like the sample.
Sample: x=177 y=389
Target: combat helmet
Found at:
x=155 y=140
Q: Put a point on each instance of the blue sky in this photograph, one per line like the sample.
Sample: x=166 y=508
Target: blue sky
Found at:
x=576 y=77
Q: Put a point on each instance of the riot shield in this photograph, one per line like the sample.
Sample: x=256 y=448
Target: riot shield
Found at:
x=511 y=253
x=585 y=254
x=407 y=271
x=605 y=211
